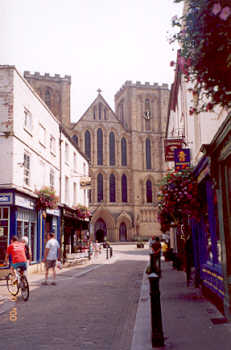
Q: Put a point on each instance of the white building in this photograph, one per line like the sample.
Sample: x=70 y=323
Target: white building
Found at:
x=35 y=152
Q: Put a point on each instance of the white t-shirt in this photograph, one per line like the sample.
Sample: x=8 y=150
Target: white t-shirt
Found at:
x=53 y=246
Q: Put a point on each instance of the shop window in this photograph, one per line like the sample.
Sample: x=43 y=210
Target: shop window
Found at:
x=26 y=226
x=4 y=231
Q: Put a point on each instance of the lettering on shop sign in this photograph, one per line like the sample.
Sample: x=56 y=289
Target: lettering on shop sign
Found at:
x=5 y=198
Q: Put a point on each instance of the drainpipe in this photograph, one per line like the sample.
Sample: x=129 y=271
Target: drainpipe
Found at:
x=60 y=192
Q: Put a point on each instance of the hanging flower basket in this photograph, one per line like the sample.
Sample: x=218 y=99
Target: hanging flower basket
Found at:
x=47 y=199
x=204 y=35
x=178 y=198
x=82 y=212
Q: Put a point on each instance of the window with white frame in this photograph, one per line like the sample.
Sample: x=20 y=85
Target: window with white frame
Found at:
x=66 y=152
x=66 y=190
x=74 y=193
x=42 y=135
x=26 y=169
x=52 y=179
x=42 y=173
x=75 y=161
x=28 y=120
x=52 y=145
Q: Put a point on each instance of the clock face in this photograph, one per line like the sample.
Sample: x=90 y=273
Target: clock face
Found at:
x=147 y=115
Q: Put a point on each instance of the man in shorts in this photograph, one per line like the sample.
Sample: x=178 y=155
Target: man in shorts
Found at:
x=52 y=253
x=18 y=254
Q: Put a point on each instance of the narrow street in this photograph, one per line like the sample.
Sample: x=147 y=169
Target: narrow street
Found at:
x=94 y=311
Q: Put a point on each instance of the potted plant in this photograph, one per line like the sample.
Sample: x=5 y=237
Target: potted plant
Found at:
x=204 y=32
x=82 y=211
x=46 y=199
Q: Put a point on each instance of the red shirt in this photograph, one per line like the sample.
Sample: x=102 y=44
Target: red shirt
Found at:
x=17 y=251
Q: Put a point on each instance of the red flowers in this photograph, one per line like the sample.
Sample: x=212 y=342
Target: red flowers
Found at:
x=178 y=197
x=47 y=199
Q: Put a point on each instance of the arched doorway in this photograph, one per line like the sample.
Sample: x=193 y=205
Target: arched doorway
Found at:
x=123 y=232
x=100 y=230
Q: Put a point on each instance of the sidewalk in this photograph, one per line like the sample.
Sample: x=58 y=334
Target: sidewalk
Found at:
x=189 y=321
x=35 y=279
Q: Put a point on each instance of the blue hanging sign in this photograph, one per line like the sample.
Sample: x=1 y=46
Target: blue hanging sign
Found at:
x=182 y=158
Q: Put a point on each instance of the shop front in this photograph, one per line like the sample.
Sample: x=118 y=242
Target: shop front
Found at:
x=17 y=217
x=75 y=232
x=219 y=153
x=207 y=238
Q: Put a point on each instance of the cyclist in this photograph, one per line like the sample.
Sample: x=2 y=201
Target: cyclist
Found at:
x=18 y=253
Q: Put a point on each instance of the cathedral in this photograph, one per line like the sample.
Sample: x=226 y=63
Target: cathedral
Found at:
x=125 y=148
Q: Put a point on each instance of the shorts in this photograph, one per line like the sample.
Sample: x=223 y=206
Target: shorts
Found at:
x=21 y=265
x=50 y=264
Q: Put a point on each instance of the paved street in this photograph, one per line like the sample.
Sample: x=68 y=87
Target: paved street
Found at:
x=88 y=311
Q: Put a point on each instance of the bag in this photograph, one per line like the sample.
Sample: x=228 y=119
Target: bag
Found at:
x=59 y=265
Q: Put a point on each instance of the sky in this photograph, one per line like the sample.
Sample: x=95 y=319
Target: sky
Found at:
x=100 y=43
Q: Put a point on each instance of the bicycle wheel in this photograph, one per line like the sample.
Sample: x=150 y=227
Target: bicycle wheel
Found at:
x=24 y=285
x=12 y=284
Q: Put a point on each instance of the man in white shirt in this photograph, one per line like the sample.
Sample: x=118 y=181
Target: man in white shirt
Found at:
x=52 y=253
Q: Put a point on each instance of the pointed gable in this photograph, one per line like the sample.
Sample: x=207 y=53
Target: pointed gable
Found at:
x=99 y=111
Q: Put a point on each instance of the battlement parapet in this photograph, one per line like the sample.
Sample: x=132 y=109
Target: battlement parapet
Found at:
x=139 y=85
x=47 y=76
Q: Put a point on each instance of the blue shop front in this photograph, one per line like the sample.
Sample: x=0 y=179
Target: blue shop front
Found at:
x=18 y=216
x=206 y=238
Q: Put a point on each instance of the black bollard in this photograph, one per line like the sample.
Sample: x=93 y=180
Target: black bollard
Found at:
x=107 y=252
x=156 y=319
x=89 y=254
x=111 y=252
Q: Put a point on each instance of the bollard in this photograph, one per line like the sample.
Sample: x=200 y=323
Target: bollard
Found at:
x=107 y=252
x=156 y=319
x=111 y=252
x=153 y=264
x=89 y=254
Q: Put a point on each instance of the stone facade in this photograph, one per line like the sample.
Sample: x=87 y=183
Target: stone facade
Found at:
x=126 y=173
x=140 y=119
x=55 y=91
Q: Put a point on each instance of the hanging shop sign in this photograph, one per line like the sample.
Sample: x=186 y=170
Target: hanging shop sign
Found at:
x=182 y=158
x=85 y=182
x=169 y=146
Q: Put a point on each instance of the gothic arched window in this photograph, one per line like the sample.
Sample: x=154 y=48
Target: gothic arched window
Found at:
x=124 y=188
x=148 y=154
x=100 y=111
x=112 y=186
x=48 y=97
x=123 y=151
x=100 y=188
x=112 y=148
x=88 y=144
x=94 y=113
x=99 y=147
x=149 y=191
x=75 y=139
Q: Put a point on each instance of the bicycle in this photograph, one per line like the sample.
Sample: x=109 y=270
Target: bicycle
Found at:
x=20 y=282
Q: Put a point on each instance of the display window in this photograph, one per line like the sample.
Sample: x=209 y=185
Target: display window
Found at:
x=26 y=226
x=4 y=231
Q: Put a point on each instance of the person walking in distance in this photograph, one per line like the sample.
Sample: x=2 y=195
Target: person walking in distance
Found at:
x=52 y=253
x=156 y=249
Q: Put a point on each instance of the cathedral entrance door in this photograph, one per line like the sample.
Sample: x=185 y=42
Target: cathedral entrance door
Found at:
x=123 y=232
x=100 y=230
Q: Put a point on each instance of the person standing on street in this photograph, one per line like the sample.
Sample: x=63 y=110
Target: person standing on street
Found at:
x=52 y=253
x=156 y=249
